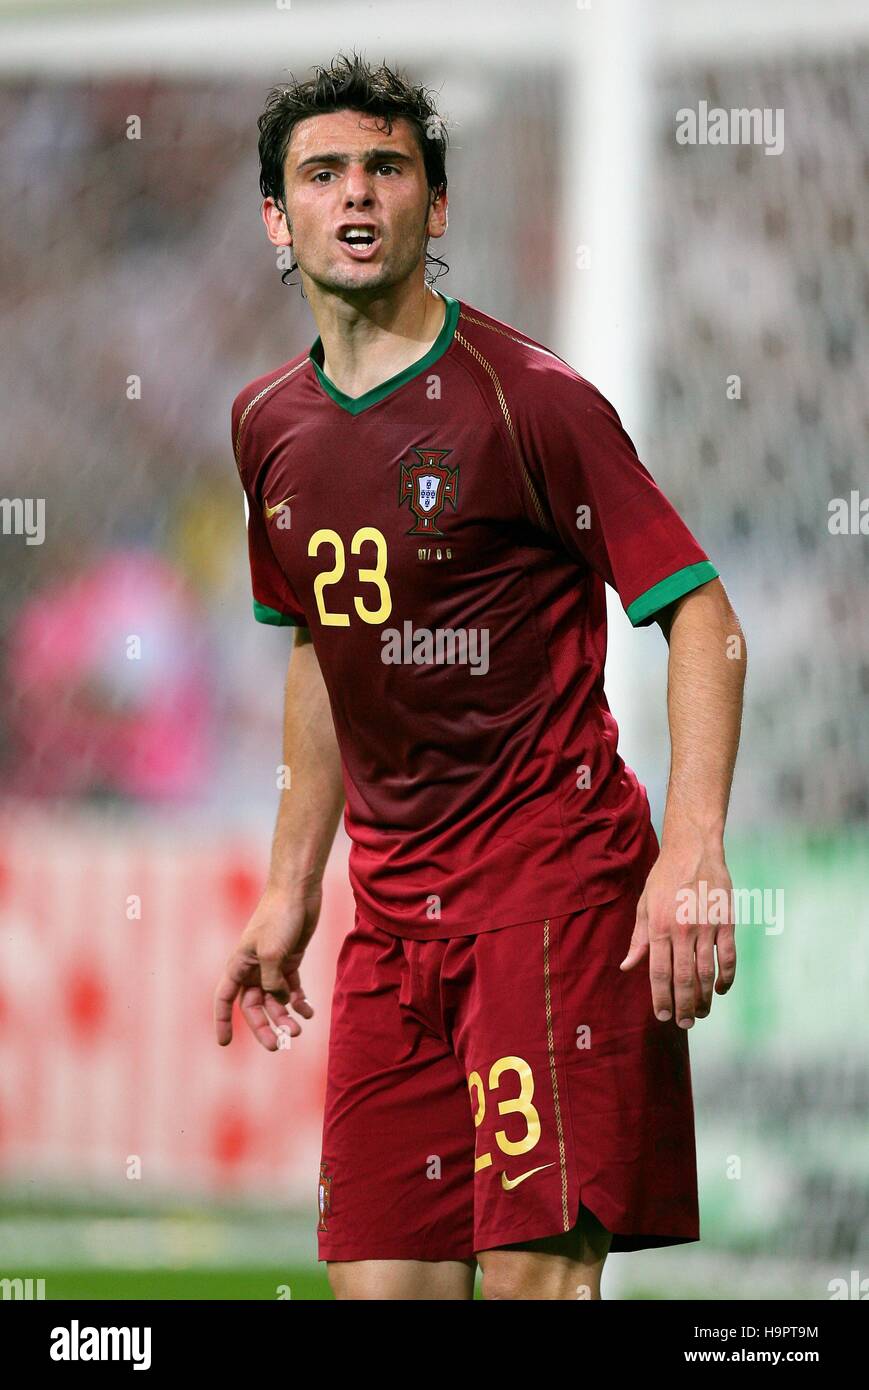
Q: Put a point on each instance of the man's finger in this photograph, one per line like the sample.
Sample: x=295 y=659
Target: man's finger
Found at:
x=725 y=945
x=279 y=1017
x=224 y=998
x=298 y=1002
x=233 y=977
x=683 y=974
x=704 y=971
x=251 y=1003
x=639 y=939
x=661 y=977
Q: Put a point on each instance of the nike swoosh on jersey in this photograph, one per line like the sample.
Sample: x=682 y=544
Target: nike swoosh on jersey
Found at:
x=509 y=1183
x=270 y=511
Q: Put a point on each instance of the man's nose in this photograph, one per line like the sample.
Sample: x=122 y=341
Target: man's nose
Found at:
x=357 y=189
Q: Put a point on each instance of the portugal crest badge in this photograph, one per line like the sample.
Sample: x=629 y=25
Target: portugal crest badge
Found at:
x=427 y=486
x=324 y=1197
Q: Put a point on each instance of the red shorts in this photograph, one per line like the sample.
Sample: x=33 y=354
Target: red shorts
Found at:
x=481 y=1087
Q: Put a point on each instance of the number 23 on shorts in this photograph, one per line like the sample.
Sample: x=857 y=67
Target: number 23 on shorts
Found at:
x=516 y=1105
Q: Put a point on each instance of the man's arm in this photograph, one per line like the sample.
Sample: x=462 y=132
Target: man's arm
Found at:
x=311 y=806
x=705 y=682
x=264 y=968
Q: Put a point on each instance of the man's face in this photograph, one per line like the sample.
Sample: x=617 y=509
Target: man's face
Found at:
x=341 y=172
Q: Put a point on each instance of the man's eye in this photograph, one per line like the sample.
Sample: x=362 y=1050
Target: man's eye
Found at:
x=389 y=166
x=326 y=172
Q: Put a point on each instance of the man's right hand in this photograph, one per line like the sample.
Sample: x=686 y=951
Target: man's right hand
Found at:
x=263 y=970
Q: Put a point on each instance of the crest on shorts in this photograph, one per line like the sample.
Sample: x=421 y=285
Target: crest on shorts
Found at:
x=324 y=1197
x=427 y=486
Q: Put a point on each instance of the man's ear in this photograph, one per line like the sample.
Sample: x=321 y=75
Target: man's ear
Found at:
x=277 y=223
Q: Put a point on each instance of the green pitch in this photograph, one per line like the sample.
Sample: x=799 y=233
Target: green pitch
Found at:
x=172 y=1284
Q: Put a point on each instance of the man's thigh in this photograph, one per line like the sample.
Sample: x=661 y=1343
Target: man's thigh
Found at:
x=396 y=1172
x=564 y=1266
x=402 y=1279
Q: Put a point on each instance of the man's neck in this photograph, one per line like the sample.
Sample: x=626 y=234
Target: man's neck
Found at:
x=364 y=348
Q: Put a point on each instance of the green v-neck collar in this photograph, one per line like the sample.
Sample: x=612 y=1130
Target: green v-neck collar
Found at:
x=354 y=404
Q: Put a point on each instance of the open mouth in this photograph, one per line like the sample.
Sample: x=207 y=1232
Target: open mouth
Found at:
x=361 y=242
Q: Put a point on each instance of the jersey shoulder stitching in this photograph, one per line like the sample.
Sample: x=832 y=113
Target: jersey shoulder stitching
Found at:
x=508 y=421
x=260 y=396
x=514 y=337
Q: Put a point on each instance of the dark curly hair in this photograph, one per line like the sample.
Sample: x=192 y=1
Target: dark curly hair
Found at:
x=349 y=84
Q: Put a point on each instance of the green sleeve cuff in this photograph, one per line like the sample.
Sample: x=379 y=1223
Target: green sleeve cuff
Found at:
x=264 y=614
x=673 y=587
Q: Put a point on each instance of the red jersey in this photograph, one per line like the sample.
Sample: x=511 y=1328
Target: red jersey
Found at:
x=446 y=537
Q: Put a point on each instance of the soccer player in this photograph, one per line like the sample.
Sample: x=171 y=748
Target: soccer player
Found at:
x=435 y=504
